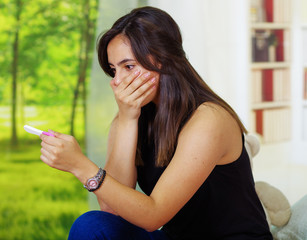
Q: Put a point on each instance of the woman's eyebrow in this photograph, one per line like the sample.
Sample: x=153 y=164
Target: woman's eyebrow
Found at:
x=122 y=61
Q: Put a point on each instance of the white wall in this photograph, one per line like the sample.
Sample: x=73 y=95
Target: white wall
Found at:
x=215 y=35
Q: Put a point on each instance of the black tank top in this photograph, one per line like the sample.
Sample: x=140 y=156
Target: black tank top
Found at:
x=226 y=206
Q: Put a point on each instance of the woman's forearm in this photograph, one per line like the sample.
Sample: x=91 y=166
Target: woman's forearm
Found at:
x=120 y=162
x=130 y=204
x=122 y=151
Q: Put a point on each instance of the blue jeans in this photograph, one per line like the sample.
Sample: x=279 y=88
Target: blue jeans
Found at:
x=99 y=225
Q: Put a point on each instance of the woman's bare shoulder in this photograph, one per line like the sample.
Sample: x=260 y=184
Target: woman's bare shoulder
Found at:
x=215 y=125
x=212 y=114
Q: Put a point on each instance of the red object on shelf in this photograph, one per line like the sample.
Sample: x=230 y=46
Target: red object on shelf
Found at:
x=268 y=5
x=267 y=85
x=280 y=45
x=259 y=121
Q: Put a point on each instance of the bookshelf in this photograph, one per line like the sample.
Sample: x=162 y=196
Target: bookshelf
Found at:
x=270 y=72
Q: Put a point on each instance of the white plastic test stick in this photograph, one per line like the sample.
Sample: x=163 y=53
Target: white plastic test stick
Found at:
x=36 y=131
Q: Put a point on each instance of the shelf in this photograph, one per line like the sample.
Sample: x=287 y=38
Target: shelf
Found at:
x=270 y=25
x=266 y=105
x=270 y=69
x=269 y=65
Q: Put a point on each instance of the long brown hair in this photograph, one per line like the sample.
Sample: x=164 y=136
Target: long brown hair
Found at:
x=154 y=35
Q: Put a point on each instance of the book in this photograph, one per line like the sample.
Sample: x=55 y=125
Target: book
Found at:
x=259 y=121
x=270 y=85
x=257 y=12
x=267 y=85
x=270 y=45
x=278 y=11
x=281 y=11
x=268 y=5
x=274 y=124
x=256 y=81
x=279 y=45
x=260 y=46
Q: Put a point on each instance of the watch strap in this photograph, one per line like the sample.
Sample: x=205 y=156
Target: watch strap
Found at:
x=98 y=178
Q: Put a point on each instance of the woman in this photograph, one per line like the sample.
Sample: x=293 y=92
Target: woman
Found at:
x=173 y=135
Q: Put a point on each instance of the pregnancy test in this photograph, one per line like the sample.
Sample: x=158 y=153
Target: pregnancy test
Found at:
x=36 y=131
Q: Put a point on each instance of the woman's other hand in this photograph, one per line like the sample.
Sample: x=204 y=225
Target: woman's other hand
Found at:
x=133 y=92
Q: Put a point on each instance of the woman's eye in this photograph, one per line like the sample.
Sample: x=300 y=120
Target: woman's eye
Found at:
x=129 y=67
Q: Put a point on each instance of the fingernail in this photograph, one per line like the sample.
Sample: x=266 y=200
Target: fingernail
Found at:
x=137 y=72
x=48 y=134
x=153 y=80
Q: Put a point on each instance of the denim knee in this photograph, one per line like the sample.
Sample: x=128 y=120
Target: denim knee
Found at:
x=99 y=225
x=94 y=225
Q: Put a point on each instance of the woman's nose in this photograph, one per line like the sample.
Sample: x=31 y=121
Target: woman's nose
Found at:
x=119 y=77
x=116 y=80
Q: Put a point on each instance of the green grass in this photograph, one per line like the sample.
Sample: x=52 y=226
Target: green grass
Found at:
x=36 y=201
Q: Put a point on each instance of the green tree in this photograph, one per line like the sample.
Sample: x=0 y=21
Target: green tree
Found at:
x=15 y=54
x=26 y=32
x=45 y=45
x=87 y=33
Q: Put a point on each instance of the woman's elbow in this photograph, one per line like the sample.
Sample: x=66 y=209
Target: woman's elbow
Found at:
x=153 y=224
x=152 y=228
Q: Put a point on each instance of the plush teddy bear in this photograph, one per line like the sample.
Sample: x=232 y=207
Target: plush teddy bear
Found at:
x=276 y=206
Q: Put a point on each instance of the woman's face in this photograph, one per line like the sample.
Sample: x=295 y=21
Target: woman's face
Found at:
x=123 y=63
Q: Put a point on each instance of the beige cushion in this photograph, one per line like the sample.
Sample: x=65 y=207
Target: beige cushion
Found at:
x=276 y=204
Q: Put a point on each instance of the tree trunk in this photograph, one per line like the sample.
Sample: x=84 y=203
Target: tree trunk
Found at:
x=84 y=105
x=15 y=53
x=85 y=45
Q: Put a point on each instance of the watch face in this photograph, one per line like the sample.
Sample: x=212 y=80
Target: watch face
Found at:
x=92 y=184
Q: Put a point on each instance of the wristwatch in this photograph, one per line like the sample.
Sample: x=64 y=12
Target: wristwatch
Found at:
x=95 y=182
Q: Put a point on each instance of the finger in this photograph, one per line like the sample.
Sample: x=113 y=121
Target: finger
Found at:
x=122 y=85
x=137 y=83
x=49 y=148
x=44 y=159
x=147 y=93
x=50 y=140
x=51 y=131
x=144 y=90
x=62 y=136
x=45 y=156
x=113 y=85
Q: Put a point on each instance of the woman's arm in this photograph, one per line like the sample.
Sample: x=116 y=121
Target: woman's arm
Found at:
x=210 y=137
x=120 y=160
x=130 y=92
x=121 y=152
